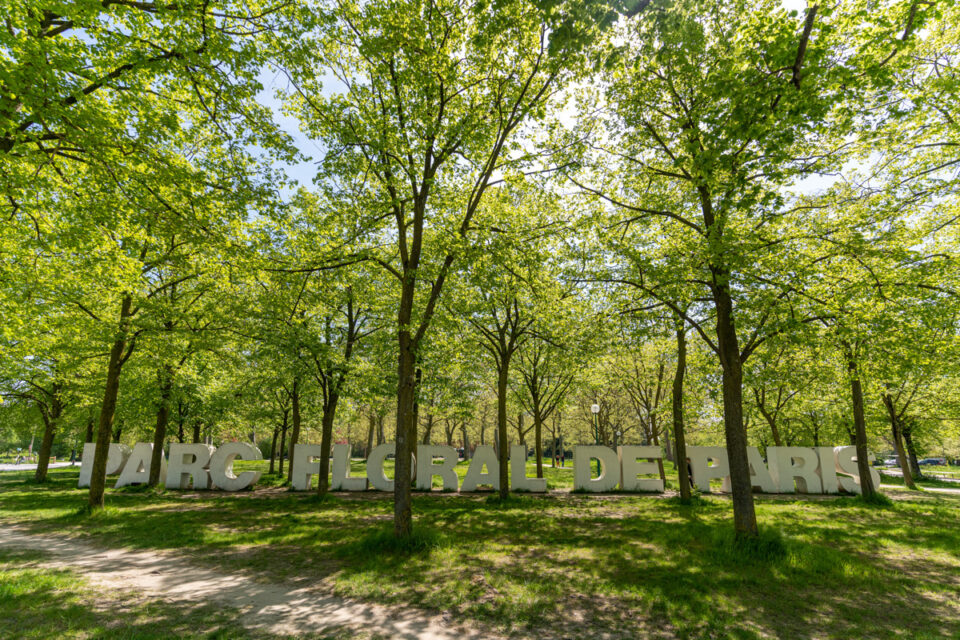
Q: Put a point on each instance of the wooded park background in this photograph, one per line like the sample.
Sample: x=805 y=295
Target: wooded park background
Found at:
x=467 y=222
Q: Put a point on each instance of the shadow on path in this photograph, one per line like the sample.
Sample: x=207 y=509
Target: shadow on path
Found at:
x=276 y=608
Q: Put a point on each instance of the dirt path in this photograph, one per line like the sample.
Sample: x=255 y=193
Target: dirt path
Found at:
x=272 y=607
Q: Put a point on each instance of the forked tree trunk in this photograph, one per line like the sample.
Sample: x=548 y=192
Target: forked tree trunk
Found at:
x=898 y=442
x=428 y=430
x=772 y=421
x=907 y=433
x=98 y=476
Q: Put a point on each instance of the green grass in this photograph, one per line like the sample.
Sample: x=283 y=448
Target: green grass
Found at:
x=579 y=565
x=926 y=481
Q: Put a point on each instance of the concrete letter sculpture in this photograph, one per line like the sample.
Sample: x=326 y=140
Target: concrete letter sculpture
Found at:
x=827 y=470
x=518 y=472
x=137 y=468
x=188 y=461
x=631 y=467
x=427 y=468
x=846 y=464
x=791 y=466
x=375 y=473
x=760 y=476
x=483 y=456
x=342 y=481
x=609 y=469
x=304 y=466
x=117 y=455
x=221 y=466
x=703 y=471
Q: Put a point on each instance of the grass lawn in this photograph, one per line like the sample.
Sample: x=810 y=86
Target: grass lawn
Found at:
x=558 y=565
x=940 y=470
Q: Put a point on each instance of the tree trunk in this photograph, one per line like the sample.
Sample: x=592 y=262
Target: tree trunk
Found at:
x=744 y=514
x=663 y=473
x=860 y=427
x=89 y=435
x=667 y=446
x=772 y=421
x=283 y=442
x=118 y=431
x=406 y=397
x=679 y=438
x=160 y=430
x=538 y=444
x=196 y=431
x=466 y=440
x=326 y=441
x=371 y=428
x=273 y=448
x=907 y=433
x=295 y=433
x=449 y=428
x=98 y=477
x=180 y=420
x=898 y=442
x=428 y=431
x=503 y=378
x=51 y=420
